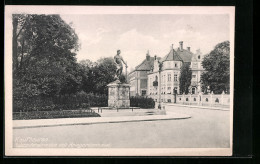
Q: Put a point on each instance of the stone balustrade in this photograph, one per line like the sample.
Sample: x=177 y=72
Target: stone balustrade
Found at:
x=222 y=100
x=204 y=99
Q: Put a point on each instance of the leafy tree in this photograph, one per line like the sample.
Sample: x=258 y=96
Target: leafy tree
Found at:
x=97 y=75
x=217 y=67
x=44 y=49
x=185 y=78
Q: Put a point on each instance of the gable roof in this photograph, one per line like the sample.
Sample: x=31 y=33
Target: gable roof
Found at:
x=172 y=56
x=185 y=55
x=145 y=65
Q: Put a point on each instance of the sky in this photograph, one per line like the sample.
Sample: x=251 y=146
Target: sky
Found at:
x=102 y=35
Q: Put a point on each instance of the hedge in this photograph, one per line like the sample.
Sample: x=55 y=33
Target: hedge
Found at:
x=54 y=114
x=142 y=102
x=63 y=102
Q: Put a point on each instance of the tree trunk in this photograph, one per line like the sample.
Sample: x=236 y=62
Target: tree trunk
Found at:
x=21 y=62
x=15 y=57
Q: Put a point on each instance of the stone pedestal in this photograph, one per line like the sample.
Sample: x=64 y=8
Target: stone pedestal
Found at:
x=118 y=95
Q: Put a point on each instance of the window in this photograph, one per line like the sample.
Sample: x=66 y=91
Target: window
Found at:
x=175 y=78
x=199 y=57
x=175 y=65
x=169 y=88
x=193 y=76
x=169 y=77
x=193 y=90
x=169 y=100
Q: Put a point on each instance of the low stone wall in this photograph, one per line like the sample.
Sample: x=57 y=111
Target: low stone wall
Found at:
x=204 y=99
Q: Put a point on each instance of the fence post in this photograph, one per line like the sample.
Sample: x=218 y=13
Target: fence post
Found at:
x=190 y=99
x=222 y=98
x=183 y=98
x=198 y=99
x=211 y=98
x=201 y=99
x=98 y=109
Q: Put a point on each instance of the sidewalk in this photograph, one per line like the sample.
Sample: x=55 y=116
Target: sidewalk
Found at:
x=20 y=124
x=196 y=106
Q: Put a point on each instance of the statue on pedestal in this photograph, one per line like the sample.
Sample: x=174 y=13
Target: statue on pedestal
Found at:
x=118 y=60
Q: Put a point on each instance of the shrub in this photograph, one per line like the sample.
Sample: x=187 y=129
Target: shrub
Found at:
x=54 y=114
x=142 y=102
x=62 y=102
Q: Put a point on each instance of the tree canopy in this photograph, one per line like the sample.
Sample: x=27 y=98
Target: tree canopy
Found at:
x=217 y=69
x=44 y=49
x=96 y=75
x=185 y=78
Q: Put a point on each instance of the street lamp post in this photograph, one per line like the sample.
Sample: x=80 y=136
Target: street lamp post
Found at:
x=159 y=85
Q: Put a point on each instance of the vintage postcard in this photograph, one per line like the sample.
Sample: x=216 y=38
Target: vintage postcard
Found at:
x=119 y=80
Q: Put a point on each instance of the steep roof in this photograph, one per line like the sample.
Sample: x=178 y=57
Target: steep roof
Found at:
x=145 y=65
x=172 y=55
x=185 y=55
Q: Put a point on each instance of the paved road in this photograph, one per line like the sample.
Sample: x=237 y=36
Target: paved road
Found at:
x=206 y=129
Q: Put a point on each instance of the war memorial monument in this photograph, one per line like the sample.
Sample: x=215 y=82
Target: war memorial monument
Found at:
x=119 y=91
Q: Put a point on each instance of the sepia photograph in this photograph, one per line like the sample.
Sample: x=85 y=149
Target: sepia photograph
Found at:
x=119 y=80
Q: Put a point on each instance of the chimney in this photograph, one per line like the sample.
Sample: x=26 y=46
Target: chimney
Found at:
x=148 y=56
x=181 y=45
x=188 y=48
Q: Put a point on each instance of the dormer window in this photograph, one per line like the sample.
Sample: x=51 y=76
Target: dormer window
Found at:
x=199 y=57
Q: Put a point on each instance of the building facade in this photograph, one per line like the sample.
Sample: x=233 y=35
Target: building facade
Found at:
x=138 y=78
x=166 y=81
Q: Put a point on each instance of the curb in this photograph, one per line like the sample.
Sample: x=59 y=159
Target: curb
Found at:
x=101 y=122
x=201 y=107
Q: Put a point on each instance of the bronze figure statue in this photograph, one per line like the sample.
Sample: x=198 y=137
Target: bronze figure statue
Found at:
x=118 y=60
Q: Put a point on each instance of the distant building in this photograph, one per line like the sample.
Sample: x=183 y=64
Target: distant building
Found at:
x=145 y=78
x=170 y=73
x=138 y=77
